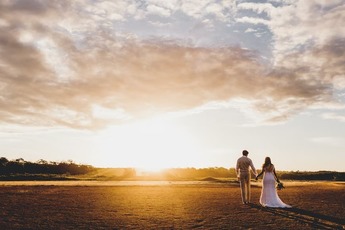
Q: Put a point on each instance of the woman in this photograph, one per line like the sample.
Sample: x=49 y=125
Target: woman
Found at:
x=269 y=196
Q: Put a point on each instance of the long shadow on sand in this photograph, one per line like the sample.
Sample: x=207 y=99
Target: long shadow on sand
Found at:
x=316 y=220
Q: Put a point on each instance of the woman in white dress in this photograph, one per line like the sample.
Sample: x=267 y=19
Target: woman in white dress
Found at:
x=269 y=196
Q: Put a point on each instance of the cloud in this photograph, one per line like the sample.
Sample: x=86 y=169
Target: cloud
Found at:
x=298 y=26
x=308 y=42
x=157 y=10
x=306 y=25
x=334 y=116
x=257 y=7
x=252 y=20
x=250 y=30
x=200 y=9
x=81 y=72
x=330 y=141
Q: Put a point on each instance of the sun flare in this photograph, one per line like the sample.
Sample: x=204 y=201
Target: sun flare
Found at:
x=150 y=145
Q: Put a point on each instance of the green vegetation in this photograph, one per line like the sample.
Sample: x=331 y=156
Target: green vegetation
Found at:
x=320 y=175
x=219 y=172
x=19 y=169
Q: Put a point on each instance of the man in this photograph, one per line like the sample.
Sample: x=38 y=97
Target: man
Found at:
x=243 y=167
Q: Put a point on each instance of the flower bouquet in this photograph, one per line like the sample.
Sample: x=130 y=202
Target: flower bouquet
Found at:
x=280 y=185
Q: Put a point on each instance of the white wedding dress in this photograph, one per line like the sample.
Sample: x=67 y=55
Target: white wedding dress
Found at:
x=269 y=196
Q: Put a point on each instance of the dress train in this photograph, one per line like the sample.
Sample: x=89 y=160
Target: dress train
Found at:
x=269 y=196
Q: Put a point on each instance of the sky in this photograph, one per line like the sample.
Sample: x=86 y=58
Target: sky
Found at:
x=155 y=84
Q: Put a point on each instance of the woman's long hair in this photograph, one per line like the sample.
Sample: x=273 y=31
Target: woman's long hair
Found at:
x=267 y=162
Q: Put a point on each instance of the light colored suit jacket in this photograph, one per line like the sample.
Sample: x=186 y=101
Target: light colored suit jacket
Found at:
x=244 y=165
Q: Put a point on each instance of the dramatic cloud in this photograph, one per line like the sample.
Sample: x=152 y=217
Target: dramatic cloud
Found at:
x=71 y=64
x=308 y=42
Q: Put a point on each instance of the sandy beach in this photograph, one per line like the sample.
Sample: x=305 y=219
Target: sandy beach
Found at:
x=166 y=205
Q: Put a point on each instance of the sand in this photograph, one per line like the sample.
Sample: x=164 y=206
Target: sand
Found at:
x=166 y=205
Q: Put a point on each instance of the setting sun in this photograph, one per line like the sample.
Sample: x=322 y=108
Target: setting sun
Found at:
x=150 y=145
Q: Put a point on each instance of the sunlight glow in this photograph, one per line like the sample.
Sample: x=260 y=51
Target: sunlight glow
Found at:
x=150 y=145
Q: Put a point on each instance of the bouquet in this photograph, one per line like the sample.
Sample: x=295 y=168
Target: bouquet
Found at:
x=280 y=185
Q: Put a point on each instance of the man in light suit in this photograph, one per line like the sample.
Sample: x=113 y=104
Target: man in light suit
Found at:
x=243 y=167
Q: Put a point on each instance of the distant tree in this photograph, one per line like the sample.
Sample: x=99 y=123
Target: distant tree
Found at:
x=20 y=166
x=20 y=161
x=43 y=162
x=3 y=164
x=3 y=161
x=16 y=166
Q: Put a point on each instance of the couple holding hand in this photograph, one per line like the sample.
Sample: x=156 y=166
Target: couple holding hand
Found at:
x=269 y=196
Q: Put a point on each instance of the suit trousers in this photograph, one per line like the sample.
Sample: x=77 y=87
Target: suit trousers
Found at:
x=245 y=187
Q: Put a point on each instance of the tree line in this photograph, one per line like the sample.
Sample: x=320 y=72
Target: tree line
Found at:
x=20 y=166
x=220 y=172
x=185 y=173
x=319 y=175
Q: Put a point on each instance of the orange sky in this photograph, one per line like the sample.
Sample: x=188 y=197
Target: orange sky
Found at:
x=171 y=83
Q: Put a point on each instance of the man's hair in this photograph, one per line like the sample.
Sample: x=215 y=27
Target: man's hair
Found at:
x=245 y=153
